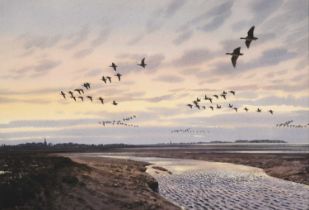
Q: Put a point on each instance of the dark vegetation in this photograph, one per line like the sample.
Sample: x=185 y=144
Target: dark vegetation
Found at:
x=74 y=147
x=32 y=180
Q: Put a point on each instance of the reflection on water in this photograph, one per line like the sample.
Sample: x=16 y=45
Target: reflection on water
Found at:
x=268 y=152
x=197 y=184
x=4 y=172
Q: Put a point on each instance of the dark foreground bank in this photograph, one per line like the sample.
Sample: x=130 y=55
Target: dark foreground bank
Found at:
x=41 y=181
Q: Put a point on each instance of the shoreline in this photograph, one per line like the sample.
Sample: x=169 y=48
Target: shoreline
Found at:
x=287 y=166
x=124 y=183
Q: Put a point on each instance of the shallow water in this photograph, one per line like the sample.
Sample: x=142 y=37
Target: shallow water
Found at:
x=210 y=185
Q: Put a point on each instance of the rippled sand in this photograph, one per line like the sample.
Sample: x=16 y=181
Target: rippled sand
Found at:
x=210 y=185
x=203 y=185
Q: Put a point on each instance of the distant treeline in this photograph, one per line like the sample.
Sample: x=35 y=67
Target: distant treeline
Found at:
x=252 y=141
x=74 y=147
x=63 y=147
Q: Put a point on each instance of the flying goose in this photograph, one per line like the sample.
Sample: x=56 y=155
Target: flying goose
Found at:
x=104 y=79
x=216 y=96
x=71 y=93
x=90 y=98
x=271 y=111
x=115 y=103
x=118 y=75
x=259 y=110
x=109 y=79
x=190 y=105
x=211 y=107
x=63 y=94
x=101 y=99
x=235 y=54
x=246 y=109
x=114 y=66
x=81 y=98
x=235 y=108
x=142 y=64
x=73 y=97
x=232 y=91
x=86 y=85
x=250 y=37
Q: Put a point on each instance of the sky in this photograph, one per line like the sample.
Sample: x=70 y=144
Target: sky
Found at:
x=53 y=46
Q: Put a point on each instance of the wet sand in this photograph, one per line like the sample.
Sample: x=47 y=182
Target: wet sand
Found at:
x=210 y=185
x=288 y=166
x=195 y=184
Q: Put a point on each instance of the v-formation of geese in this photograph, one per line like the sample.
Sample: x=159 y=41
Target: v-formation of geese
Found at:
x=87 y=86
x=236 y=52
x=288 y=124
x=188 y=130
x=197 y=103
x=122 y=122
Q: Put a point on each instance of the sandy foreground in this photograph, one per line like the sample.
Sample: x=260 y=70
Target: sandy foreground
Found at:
x=113 y=184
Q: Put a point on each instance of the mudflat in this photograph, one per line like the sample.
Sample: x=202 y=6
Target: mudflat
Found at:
x=288 y=166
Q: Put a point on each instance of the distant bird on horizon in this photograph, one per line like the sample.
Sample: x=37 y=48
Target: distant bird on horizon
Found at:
x=250 y=37
x=216 y=96
x=271 y=111
x=63 y=94
x=119 y=76
x=71 y=93
x=73 y=97
x=81 y=98
x=196 y=104
x=115 y=103
x=246 y=109
x=142 y=64
x=114 y=66
x=230 y=105
x=190 y=105
x=198 y=99
x=109 y=79
x=211 y=107
x=101 y=99
x=218 y=106
x=235 y=54
x=80 y=91
x=259 y=110
x=232 y=91
x=223 y=96
x=224 y=92
x=204 y=107
x=235 y=108
x=86 y=85
x=208 y=98
x=90 y=98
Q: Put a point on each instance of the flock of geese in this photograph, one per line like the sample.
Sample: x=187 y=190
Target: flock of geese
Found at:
x=79 y=93
x=122 y=122
x=188 y=130
x=87 y=86
x=288 y=124
x=236 y=52
x=197 y=102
